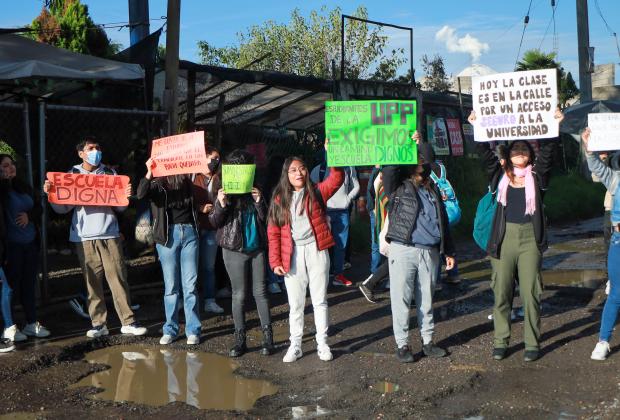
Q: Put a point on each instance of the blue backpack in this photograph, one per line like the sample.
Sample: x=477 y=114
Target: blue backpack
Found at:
x=450 y=202
x=483 y=222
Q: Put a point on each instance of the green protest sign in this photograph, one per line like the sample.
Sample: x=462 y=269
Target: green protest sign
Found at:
x=370 y=132
x=238 y=179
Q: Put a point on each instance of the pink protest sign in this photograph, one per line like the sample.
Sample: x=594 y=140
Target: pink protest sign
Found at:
x=456 y=139
x=180 y=154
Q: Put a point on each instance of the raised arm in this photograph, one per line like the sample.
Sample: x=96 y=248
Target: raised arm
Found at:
x=331 y=184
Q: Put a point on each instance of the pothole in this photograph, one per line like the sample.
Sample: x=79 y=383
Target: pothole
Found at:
x=157 y=376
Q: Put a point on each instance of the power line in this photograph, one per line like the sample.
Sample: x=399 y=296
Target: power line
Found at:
x=526 y=20
x=611 y=31
x=98 y=26
x=554 y=6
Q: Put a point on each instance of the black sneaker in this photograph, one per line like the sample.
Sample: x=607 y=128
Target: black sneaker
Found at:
x=530 y=355
x=431 y=350
x=404 y=355
x=367 y=294
x=6 y=345
x=499 y=353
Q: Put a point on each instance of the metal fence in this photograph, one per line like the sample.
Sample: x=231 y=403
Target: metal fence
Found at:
x=44 y=138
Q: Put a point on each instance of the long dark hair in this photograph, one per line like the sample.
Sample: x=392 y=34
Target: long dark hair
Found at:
x=508 y=166
x=179 y=191
x=16 y=184
x=280 y=208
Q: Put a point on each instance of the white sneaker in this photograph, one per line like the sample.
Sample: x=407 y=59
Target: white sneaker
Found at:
x=601 y=350
x=14 y=334
x=166 y=339
x=274 y=288
x=325 y=354
x=133 y=329
x=192 y=340
x=36 y=330
x=292 y=354
x=513 y=315
x=212 y=306
x=98 y=331
x=6 y=345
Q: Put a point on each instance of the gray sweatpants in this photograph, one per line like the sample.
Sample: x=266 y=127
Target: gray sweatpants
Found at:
x=412 y=270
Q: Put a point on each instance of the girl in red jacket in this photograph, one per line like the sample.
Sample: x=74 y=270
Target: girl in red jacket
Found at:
x=299 y=237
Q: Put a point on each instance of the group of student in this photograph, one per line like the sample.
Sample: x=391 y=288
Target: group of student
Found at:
x=293 y=229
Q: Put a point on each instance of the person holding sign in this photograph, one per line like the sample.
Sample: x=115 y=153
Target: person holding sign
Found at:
x=206 y=185
x=518 y=235
x=418 y=234
x=299 y=238
x=21 y=210
x=240 y=218
x=610 y=177
x=95 y=233
x=176 y=239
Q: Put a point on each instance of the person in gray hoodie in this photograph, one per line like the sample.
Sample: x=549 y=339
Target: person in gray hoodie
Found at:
x=338 y=212
x=94 y=231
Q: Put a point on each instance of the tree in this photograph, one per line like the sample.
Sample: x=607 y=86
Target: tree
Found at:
x=537 y=60
x=435 y=77
x=307 y=46
x=67 y=24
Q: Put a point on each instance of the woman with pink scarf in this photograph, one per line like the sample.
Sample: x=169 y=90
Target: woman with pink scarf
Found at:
x=518 y=236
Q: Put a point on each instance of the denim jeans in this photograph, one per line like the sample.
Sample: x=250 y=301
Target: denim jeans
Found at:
x=208 y=252
x=21 y=275
x=339 y=220
x=612 y=305
x=179 y=263
x=375 y=256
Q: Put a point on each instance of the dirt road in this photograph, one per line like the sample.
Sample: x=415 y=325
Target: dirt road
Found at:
x=365 y=379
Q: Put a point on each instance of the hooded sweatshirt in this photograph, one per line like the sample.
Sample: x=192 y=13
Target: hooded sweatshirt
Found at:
x=91 y=222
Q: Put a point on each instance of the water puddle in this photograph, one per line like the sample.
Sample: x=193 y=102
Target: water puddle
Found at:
x=156 y=377
x=590 y=279
x=308 y=412
x=385 y=387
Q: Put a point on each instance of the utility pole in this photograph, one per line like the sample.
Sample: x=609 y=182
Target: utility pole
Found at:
x=139 y=27
x=583 y=49
x=172 y=64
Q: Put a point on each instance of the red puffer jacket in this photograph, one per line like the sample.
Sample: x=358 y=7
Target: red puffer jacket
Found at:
x=281 y=238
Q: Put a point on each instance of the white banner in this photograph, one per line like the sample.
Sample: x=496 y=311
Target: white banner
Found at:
x=515 y=106
x=605 y=133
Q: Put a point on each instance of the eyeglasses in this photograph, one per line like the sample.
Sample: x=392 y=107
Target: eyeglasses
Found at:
x=301 y=169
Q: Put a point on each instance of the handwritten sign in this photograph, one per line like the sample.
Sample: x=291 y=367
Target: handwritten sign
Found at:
x=238 y=179
x=87 y=189
x=437 y=134
x=605 y=131
x=370 y=132
x=519 y=105
x=456 y=138
x=180 y=154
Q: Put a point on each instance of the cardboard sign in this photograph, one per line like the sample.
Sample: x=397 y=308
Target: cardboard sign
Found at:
x=87 y=189
x=456 y=139
x=515 y=106
x=370 y=132
x=437 y=135
x=605 y=133
x=180 y=154
x=238 y=179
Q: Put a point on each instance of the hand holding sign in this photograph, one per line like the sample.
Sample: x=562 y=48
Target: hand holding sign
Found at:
x=604 y=131
x=585 y=138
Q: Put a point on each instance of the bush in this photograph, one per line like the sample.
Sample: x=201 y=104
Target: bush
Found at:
x=570 y=197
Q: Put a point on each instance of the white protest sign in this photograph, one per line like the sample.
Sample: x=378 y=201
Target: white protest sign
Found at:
x=605 y=133
x=515 y=106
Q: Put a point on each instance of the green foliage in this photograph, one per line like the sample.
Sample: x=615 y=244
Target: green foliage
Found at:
x=307 y=45
x=67 y=24
x=572 y=197
x=536 y=60
x=6 y=149
x=435 y=77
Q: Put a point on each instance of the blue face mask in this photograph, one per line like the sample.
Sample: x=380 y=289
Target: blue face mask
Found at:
x=93 y=157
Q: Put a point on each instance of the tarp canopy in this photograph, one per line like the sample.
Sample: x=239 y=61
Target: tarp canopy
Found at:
x=23 y=58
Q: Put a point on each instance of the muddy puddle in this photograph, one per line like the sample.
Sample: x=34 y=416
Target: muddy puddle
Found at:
x=154 y=376
x=590 y=279
x=385 y=387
